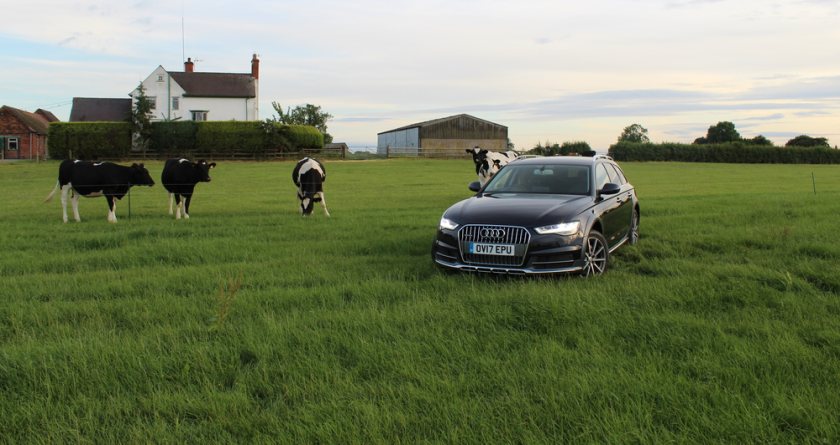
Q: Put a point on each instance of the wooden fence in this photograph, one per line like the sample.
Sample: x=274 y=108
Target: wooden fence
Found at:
x=415 y=152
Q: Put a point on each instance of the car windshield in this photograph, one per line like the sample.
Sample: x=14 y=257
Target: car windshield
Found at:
x=545 y=178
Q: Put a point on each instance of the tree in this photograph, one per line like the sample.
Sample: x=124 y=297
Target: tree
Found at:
x=807 y=141
x=634 y=133
x=579 y=147
x=760 y=140
x=305 y=115
x=141 y=127
x=722 y=132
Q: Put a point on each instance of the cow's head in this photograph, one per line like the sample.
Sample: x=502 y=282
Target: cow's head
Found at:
x=140 y=176
x=479 y=158
x=310 y=181
x=202 y=170
x=309 y=194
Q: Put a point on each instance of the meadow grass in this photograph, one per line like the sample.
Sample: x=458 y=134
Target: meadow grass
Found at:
x=249 y=323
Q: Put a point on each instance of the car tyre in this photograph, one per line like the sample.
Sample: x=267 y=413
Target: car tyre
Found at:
x=633 y=236
x=596 y=255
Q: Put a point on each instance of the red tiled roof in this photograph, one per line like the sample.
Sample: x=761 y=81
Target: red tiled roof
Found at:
x=36 y=123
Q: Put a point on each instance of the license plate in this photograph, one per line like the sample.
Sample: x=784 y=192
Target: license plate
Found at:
x=491 y=249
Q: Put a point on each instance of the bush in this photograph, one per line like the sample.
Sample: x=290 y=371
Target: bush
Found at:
x=304 y=136
x=733 y=152
x=173 y=137
x=101 y=140
x=220 y=137
x=89 y=140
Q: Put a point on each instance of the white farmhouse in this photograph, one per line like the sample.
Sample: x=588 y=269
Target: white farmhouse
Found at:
x=197 y=96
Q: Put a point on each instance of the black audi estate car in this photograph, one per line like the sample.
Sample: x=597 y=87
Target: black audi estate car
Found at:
x=541 y=215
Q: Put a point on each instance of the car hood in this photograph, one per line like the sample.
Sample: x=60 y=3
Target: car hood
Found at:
x=530 y=210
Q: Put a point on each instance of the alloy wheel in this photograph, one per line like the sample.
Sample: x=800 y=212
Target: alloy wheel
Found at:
x=595 y=256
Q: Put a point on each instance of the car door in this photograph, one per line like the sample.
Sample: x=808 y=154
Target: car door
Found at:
x=607 y=205
x=624 y=211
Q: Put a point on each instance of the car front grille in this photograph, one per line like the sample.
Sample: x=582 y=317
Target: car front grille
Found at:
x=493 y=234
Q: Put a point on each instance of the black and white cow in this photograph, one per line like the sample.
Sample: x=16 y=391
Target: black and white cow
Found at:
x=91 y=179
x=488 y=163
x=179 y=178
x=309 y=176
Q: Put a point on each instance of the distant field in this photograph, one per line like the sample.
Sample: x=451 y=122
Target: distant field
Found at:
x=248 y=323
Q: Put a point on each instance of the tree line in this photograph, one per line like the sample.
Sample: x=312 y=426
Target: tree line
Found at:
x=723 y=132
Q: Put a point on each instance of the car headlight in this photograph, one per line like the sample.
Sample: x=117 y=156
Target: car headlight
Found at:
x=569 y=228
x=447 y=224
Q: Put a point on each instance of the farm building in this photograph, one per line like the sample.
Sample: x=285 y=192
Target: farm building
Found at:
x=448 y=136
x=97 y=109
x=23 y=135
x=200 y=96
x=187 y=95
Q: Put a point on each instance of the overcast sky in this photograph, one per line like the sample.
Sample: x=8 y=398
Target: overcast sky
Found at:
x=551 y=70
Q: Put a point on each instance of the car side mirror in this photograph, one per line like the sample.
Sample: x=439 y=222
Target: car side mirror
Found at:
x=475 y=186
x=610 y=188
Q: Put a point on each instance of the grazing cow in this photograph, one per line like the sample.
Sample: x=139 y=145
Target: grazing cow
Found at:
x=91 y=179
x=309 y=176
x=179 y=178
x=488 y=163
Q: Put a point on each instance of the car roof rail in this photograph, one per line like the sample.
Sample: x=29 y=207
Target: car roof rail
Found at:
x=603 y=157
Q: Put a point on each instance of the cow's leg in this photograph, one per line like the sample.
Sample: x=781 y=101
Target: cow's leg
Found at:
x=64 y=190
x=75 y=201
x=324 y=203
x=171 y=200
x=302 y=206
x=177 y=206
x=187 y=199
x=112 y=208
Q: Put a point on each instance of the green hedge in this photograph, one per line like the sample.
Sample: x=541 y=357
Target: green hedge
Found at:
x=303 y=136
x=89 y=140
x=95 y=140
x=733 y=152
x=173 y=137
x=219 y=137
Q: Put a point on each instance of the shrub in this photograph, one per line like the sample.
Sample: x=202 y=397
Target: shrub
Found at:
x=89 y=140
x=733 y=152
x=173 y=137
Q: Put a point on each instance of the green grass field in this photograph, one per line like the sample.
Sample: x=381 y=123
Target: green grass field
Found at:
x=250 y=324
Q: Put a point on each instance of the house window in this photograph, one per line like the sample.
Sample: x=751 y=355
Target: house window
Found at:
x=12 y=144
x=152 y=102
x=160 y=77
x=199 y=115
x=176 y=102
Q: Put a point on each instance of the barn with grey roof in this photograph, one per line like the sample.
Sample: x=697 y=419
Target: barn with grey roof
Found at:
x=445 y=137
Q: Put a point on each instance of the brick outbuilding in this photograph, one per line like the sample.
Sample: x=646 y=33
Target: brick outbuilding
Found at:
x=23 y=135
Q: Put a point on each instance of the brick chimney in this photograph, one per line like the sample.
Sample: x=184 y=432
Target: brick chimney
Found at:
x=188 y=66
x=255 y=67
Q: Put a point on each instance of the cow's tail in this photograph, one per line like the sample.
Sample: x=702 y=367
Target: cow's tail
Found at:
x=52 y=193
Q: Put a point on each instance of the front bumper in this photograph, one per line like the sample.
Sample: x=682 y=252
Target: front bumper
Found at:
x=546 y=254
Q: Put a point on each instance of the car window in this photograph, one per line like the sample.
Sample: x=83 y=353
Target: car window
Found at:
x=615 y=174
x=545 y=178
x=619 y=173
x=601 y=177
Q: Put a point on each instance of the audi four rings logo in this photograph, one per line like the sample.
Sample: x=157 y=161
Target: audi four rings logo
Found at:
x=492 y=233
